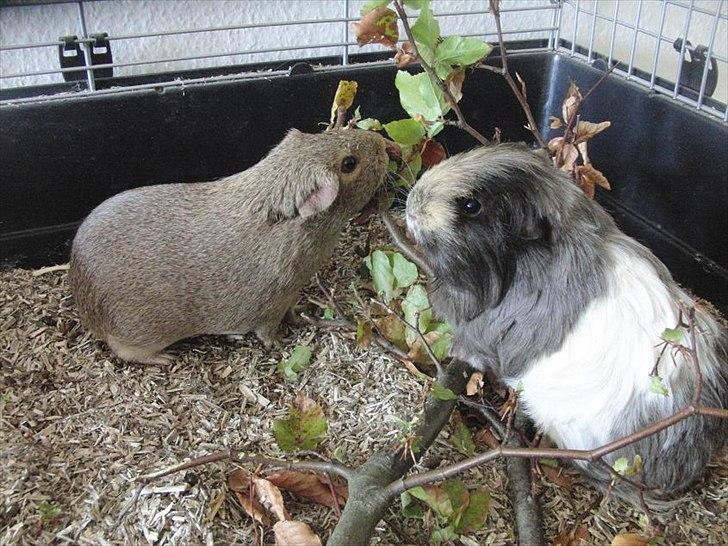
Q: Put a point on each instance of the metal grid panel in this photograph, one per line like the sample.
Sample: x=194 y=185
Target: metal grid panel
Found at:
x=641 y=37
x=340 y=26
x=636 y=33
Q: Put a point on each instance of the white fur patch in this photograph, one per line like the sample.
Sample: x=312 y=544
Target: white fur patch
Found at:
x=581 y=393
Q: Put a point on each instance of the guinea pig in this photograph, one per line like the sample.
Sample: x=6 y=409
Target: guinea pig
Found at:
x=157 y=264
x=542 y=288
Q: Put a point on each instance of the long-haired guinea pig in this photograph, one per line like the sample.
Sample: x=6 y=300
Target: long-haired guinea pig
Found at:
x=157 y=264
x=543 y=289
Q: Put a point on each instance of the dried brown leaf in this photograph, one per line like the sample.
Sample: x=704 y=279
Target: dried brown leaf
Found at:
x=392 y=328
x=405 y=55
x=586 y=130
x=304 y=404
x=295 y=533
x=564 y=153
x=418 y=353
x=588 y=177
x=310 y=486
x=486 y=437
x=571 y=103
x=454 y=83
x=240 y=482
x=379 y=26
x=432 y=153
x=474 y=384
x=557 y=476
x=555 y=123
x=572 y=537
x=629 y=539
x=270 y=497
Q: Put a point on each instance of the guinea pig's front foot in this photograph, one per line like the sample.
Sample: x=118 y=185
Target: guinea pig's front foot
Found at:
x=292 y=318
x=140 y=354
x=270 y=336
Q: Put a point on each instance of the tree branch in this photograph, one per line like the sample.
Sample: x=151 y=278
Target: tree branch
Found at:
x=369 y=495
x=462 y=123
x=495 y=10
x=403 y=244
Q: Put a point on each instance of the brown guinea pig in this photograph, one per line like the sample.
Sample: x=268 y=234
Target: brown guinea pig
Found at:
x=154 y=265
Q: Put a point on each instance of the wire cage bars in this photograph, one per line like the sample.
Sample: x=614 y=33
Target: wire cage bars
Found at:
x=673 y=47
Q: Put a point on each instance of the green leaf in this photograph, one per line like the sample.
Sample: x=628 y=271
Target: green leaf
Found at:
x=48 y=510
x=442 y=393
x=373 y=4
x=369 y=124
x=435 y=497
x=475 y=514
x=622 y=466
x=410 y=507
x=417 y=4
x=419 y=96
x=446 y=534
x=435 y=129
x=441 y=346
x=426 y=29
x=657 y=386
x=405 y=272
x=299 y=360
x=301 y=430
x=460 y=51
x=409 y=171
x=673 y=335
x=462 y=440
x=416 y=308
x=381 y=269
x=405 y=131
x=328 y=313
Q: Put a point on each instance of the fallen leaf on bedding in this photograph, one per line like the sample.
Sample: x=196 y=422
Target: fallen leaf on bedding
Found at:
x=629 y=539
x=270 y=497
x=240 y=482
x=310 y=486
x=295 y=533
x=573 y=537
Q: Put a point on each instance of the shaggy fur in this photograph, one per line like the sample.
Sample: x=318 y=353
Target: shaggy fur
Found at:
x=543 y=289
x=157 y=264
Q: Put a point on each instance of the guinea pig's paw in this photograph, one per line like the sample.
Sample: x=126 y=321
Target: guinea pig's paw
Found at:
x=271 y=339
x=293 y=318
x=235 y=337
x=161 y=359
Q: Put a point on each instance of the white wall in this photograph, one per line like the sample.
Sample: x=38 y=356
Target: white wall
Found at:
x=26 y=24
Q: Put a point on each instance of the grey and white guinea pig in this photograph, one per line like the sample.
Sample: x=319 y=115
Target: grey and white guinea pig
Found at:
x=157 y=264
x=543 y=289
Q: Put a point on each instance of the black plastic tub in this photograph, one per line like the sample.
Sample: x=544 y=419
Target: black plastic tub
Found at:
x=668 y=164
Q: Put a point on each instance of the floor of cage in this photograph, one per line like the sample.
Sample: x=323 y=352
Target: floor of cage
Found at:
x=77 y=425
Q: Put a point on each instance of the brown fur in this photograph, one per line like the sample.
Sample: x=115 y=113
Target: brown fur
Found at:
x=157 y=264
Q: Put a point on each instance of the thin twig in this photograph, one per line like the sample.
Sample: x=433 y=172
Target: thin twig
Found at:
x=554 y=453
x=462 y=123
x=403 y=244
x=495 y=10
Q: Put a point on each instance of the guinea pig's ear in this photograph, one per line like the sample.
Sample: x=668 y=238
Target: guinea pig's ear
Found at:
x=310 y=191
x=318 y=196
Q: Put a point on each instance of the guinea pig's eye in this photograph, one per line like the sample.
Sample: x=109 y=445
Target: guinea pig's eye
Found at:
x=470 y=206
x=348 y=164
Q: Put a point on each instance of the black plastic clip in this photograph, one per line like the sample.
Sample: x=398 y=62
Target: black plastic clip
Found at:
x=71 y=56
x=101 y=54
x=692 y=71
